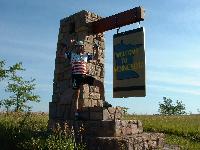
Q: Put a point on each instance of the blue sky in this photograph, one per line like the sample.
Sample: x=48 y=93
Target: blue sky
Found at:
x=29 y=33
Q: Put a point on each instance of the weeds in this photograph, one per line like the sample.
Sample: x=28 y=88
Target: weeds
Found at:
x=26 y=131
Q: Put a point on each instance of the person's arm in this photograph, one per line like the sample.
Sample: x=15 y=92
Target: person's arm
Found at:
x=96 y=48
x=68 y=54
x=94 y=56
x=65 y=52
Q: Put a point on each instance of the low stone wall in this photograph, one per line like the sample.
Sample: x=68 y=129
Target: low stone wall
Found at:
x=143 y=141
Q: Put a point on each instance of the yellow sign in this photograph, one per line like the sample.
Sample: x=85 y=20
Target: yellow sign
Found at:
x=129 y=64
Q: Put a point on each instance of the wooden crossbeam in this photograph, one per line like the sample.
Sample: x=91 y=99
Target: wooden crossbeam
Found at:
x=118 y=20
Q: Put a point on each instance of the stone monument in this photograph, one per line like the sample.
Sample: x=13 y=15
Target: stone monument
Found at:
x=104 y=127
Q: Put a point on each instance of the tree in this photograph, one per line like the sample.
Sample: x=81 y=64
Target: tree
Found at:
x=21 y=90
x=179 y=109
x=125 y=110
x=3 y=72
x=198 y=110
x=168 y=108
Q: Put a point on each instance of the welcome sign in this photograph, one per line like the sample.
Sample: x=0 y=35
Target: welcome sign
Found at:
x=129 y=64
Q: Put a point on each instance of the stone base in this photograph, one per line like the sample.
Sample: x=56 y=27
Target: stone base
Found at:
x=115 y=135
x=143 y=141
x=103 y=128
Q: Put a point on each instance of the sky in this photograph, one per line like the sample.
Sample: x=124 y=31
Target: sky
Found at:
x=29 y=34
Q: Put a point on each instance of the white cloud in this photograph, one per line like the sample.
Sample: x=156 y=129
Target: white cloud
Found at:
x=173 y=78
x=176 y=90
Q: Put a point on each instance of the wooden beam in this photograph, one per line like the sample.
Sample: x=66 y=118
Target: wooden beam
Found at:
x=118 y=20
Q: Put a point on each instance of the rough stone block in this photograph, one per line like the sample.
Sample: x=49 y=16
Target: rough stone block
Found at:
x=67 y=112
x=128 y=127
x=100 y=113
x=59 y=68
x=134 y=142
x=99 y=103
x=84 y=113
x=64 y=87
x=101 y=61
x=59 y=60
x=67 y=75
x=89 y=38
x=55 y=97
x=60 y=36
x=94 y=89
x=105 y=128
x=59 y=76
x=88 y=47
x=96 y=116
x=66 y=97
x=96 y=109
x=85 y=102
x=115 y=112
x=52 y=110
x=95 y=96
x=61 y=109
x=93 y=103
x=85 y=95
x=111 y=110
x=65 y=29
x=86 y=88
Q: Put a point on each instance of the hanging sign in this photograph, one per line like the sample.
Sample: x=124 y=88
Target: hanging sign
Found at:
x=129 y=64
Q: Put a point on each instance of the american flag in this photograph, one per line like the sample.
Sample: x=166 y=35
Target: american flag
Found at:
x=79 y=67
x=79 y=62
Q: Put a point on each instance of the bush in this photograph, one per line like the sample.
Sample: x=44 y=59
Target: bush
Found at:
x=167 y=108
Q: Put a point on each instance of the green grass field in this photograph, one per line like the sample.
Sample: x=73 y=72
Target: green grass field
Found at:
x=181 y=130
x=29 y=131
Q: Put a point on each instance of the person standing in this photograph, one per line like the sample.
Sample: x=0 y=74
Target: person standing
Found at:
x=79 y=59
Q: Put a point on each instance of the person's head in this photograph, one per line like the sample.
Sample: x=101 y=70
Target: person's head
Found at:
x=79 y=47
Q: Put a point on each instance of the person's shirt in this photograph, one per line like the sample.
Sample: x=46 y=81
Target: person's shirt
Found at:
x=78 y=61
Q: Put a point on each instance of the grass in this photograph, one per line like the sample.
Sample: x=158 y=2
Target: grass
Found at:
x=15 y=128
x=183 y=130
x=24 y=131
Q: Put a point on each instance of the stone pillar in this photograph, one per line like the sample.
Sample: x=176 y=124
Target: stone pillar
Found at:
x=75 y=27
